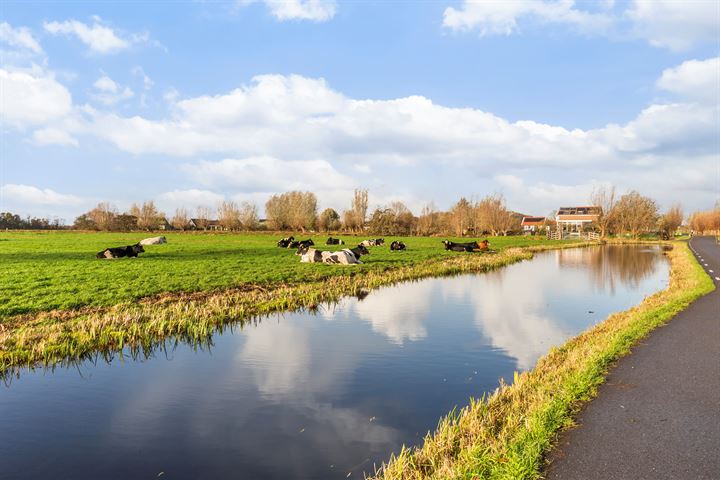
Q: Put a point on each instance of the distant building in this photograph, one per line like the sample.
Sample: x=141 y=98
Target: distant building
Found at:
x=202 y=224
x=534 y=224
x=575 y=219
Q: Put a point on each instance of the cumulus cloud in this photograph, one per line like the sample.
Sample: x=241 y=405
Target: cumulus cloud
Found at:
x=268 y=174
x=663 y=23
x=501 y=18
x=676 y=25
x=313 y=10
x=30 y=98
x=188 y=198
x=100 y=38
x=28 y=194
x=694 y=79
x=109 y=93
x=19 y=38
x=54 y=136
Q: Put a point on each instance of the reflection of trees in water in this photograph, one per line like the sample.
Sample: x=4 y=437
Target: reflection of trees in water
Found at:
x=611 y=264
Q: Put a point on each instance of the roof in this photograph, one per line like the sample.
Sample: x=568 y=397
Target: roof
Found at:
x=584 y=210
x=533 y=220
x=576 y=218
x=207 y=222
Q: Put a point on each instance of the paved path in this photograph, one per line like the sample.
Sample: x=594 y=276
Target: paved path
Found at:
x=658 y=415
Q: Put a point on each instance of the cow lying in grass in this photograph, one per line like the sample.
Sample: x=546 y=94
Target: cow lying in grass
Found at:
x=348 y=256
x=397 y=246
x=466 y=247
x=117 y=252
x=373 y=242
x=334 y=241
x=301 y=243
x=285 y=242
x=153 y=241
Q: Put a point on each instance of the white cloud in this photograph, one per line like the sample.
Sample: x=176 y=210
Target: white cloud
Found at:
x=290 y=132
x=313 y=10
x=147 y=81
x=501 y=18
x=677 y=25
x=54 y=136
x=100 y=38
x=695 y=79
x=27 y=194
x=31 y=98
x=190 y=198
x=19 y=38
x=109 y=93
x=673 y=24
x=268 y=174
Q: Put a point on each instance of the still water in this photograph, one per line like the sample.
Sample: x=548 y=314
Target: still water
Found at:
x=314 y=395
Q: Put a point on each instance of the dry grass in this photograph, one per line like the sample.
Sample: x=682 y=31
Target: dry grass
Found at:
x=56 y=336
x=506 y=435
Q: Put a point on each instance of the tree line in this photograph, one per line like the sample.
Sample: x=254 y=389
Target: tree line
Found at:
x=631 y=213
x=13 y=221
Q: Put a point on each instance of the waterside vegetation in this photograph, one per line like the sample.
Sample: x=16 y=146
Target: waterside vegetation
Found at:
x=188 y=287
x=507 y=434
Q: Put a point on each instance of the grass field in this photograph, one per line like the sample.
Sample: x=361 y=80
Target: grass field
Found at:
x=41 y=271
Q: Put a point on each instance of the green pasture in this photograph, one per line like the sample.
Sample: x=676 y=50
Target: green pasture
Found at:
x=58 y=270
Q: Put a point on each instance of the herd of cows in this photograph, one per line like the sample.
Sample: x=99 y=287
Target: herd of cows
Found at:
x=305 y=249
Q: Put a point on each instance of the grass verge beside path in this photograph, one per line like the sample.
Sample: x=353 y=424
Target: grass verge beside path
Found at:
x=60 y=335
x=506 y=435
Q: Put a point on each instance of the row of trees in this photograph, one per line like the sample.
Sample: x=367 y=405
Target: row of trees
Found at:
x=230 y=216
x=707 y=221
x=13 y=221
x=631 y=213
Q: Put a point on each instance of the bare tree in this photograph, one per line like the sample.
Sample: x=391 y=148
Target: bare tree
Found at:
x=671 y=221
x=249 y=216
x=428 y=222
x=203 y=216
x=229 y=215
x=706 y=222
x=103 y=215
x=492 y=216
x=297 y=210
x=359 y=208
x=604 y=197
x=404 y=222
x=461 y=217
x=636 y=214
x=328 y=220
x=148 y=216
x=180 y=219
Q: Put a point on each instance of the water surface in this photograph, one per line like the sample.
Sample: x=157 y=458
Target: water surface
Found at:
x=314 y=395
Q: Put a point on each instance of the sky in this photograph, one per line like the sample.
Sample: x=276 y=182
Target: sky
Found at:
x=191 y=103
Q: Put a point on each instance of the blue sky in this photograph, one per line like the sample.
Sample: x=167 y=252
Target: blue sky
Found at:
x=189 y=103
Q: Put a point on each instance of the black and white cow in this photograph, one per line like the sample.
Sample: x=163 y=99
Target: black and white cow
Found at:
x=460 y=247
x=348 y=256
x=301 y=243
x=373 y=242
x=285 y=242
x=397 y=246
x=117 y=252
x=334 y=241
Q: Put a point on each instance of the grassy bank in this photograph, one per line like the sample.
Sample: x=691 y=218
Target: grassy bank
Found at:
x=506 y=435
x=42 y=271
x=60 y=335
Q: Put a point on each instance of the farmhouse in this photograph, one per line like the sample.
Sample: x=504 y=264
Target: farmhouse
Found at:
x=534 y=224
x=575 y=219
x=204 y=224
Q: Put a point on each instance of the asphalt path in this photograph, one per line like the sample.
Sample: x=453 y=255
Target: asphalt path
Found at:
x=658 y=415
